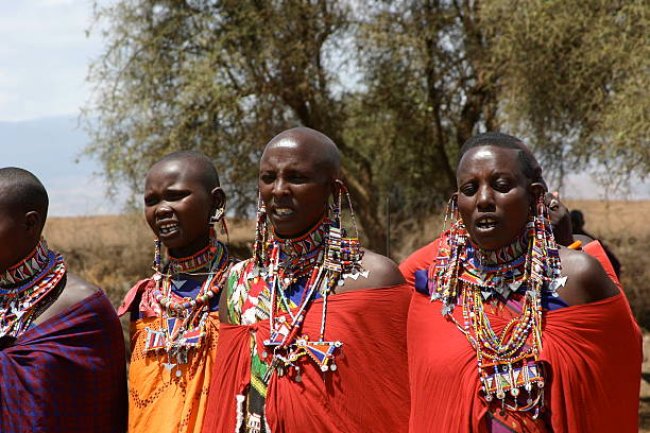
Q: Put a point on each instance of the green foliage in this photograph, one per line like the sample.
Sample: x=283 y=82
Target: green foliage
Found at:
x=398 y=85
x=577 y=80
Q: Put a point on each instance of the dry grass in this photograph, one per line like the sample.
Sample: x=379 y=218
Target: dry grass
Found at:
x=624 y=228
x=115 y=251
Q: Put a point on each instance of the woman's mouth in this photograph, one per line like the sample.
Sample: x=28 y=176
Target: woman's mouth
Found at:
x=283 y=212
x=167 y=229
x=487 y=223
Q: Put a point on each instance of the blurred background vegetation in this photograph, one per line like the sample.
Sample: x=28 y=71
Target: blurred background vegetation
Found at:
x=399 y=86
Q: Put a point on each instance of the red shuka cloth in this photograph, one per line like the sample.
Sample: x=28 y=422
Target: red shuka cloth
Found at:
x=593 y=352
x=368 y=392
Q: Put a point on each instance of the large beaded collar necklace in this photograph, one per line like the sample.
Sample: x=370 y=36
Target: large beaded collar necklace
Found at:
x=182 y=321
x=497 y=273
x=324 y=257
x=508 y=361
x=28 y=288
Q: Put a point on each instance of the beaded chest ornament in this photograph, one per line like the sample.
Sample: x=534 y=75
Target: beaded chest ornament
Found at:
x=326 y=268
x=182 y=322
x=28 y=288
x=508 y=361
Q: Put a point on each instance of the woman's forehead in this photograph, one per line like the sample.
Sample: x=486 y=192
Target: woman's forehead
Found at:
x=174 y=171
x=490 y=157
x=288 y=154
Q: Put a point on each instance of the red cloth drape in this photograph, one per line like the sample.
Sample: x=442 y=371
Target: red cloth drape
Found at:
x=367 y=393
x=593 y=352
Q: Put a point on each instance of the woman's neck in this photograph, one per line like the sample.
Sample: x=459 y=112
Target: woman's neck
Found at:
x=504 y=255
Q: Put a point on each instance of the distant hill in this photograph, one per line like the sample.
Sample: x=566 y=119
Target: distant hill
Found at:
x=51 y=149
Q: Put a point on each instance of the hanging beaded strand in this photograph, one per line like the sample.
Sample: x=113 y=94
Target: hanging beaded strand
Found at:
x=261 y=233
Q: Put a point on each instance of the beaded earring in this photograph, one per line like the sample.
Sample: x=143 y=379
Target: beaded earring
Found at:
x=261 y=234
x=543 y=255
x=342 y=252
x=216 y=218
x=443 y=277
x=157 y=262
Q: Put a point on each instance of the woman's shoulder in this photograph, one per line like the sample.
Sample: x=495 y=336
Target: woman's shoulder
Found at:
x=378 y=272
x=586 y=279
x=419 y=260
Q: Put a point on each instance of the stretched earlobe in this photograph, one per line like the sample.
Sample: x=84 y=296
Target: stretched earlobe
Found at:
x=218 y=198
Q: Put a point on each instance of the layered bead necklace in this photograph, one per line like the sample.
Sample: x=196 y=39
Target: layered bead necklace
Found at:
x=508 y=361
x=322 y=259
x=28 y=288
x=182 y=321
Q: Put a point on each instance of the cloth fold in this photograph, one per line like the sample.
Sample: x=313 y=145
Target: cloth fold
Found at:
x=368 y=391
x=66 y=374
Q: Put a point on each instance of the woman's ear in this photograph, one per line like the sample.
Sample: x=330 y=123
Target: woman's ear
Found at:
x=218 y=198
x=536 y=189
x=33 y=223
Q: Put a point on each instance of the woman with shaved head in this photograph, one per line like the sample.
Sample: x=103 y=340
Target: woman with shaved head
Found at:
x=507 y=331
x=174 y=317
x=313 y=326
x=62 y=361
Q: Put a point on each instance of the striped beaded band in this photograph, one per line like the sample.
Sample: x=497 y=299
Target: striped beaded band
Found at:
x=31 y=265
x=192 y=263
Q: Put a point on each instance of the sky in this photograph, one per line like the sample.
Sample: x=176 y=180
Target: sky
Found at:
x=44 y=58
x=45 y=53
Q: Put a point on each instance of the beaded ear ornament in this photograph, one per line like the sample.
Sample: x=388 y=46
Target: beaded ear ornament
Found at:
x=508 y=362
x=339 y=259
x=182 y=322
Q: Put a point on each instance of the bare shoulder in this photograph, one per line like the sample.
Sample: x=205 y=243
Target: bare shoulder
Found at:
x=382 y=272
x=76 y=290
x=586 y=279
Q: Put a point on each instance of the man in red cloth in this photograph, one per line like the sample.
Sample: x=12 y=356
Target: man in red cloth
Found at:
x=313 y=328
x=62 y=362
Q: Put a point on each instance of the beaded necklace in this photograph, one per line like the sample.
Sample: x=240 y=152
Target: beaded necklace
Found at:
x=193 y=263
x=324 y=258
x=36 y=283
x=508 y=362
x=182 y=322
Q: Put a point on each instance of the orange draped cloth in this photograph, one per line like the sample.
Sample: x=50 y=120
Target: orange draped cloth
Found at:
x=592 y=354
x=367 y=393
x=159 y=400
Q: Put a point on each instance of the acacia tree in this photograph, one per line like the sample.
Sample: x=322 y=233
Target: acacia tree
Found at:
x=222 y=77
x=571 y=77
x=398 y=85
